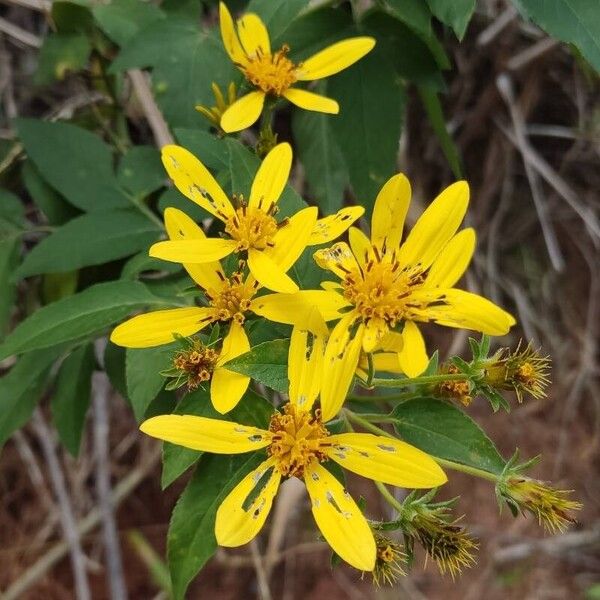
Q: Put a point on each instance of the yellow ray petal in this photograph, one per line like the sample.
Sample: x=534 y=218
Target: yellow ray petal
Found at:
x=340 y=520
x=338 y=259
x=180 y=226
x=331 y=227
x=238 y=519
x=452 y=261
x=387 y=361
x=335 y=58
x=229 y=36
x=195 y=182
x=192 y=251
x=375 y=330
x=253 y=35
x=271 y=177
x=389 y=212
x=436 y=226
x=339 y=364
x=269 y=273
x=305 y=361
x=157 y=327
x=291 y=239
x=360 y=245
x=385 y=459
x=392 y=342
x=464 y=310
x=294 y=309
x=244 y=112
x=208 y=435
x=311 y=101
x=413 y=356
x=228 y=387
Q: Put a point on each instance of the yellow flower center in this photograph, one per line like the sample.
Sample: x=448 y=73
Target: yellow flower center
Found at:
x=382 y=290
x=272 y=73
x=233 y=299
x=298 y=438
x=526 y=374
x=252 y=227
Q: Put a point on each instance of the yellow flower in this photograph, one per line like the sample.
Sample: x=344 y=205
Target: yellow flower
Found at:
x=251 y=227
x=213 y=114
x=273 y=73
x=389 y=285
x=297 y=443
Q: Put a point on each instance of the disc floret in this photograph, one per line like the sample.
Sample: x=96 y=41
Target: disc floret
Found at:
x=233 y=299
x=252 y=227
x=272 y=73
x=193 y=365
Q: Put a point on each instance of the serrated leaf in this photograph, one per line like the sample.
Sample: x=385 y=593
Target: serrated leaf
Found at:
x=368 y=127
x=71 y=398
x=121 y=20
x=141 y=171
x=455 y=14
x=79 y=316
x=443 y=430
x=91 y=239
x=73 y=161
x=266 y=363
x=21 y=388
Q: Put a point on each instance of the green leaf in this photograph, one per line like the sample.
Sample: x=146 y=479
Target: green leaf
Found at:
x=22 y=387
x=266 y=363
x=443 y=430
x=97 y=237
x=572 y=21
x=62 y=54
x=121 y=20
x=433 y=106
x=321 y=157
x=455 y=14
x=184 y=61
x=368 y=127
x=191 y=539
x=74 y=161
x=71 y=397
x=114 y=365
x=141 y=171
x=56 y=210
x=277 y=16
x=12 y=214
x=76 y=317
x=144 y=381
x=72 y=17
x=209 y=149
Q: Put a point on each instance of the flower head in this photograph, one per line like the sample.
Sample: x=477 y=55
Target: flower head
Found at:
x=297 y=444
x=214 y=113
x=389 y=286
x=273 y=73
x=270 y=245
x=389 y=562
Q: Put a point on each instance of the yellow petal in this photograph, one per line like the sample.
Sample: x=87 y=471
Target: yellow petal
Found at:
x=311 y=101
x=331 y=227
x=360 y=245
x=192 y=251
x=229 y=36
x=244 y=112
x=294 y=309
x=180 y=226
x=335 y=58
x=340 y=520
x=464 y=310
x=375 y=330
x=339 y=364
x=338 y=259
x=195 y=182
x=271 y=177
x=413 y=356
x=253 y=35
x=389 y=212
x=305 y=361
x=436 y=226
x=392 y=342
x=385 y=459
x=157 y=327
x=269 y=273
x=387 y=361
x=452 y=261
x=208 y=435
x=238 y=519
x=228 y=387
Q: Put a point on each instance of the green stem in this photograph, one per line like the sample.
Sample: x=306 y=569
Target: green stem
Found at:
x=423 y=380
x=359 y=420
x=388 y=398
x=389 y=498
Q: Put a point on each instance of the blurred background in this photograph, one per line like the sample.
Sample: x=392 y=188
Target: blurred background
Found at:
x=524 y=113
